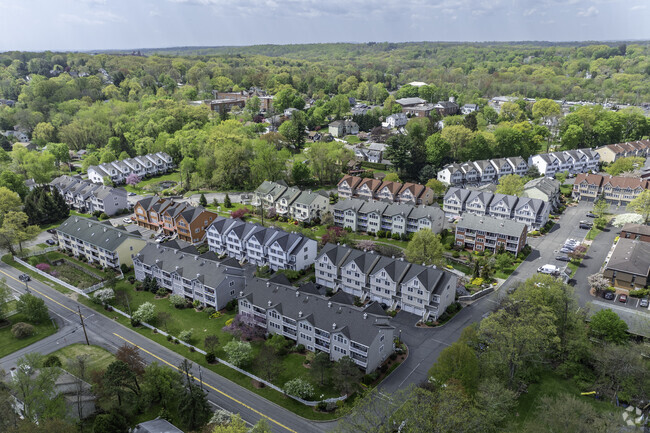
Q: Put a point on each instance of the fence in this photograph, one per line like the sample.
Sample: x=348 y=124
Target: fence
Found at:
x=39 y=252
x=476 y=295
x=50 y=277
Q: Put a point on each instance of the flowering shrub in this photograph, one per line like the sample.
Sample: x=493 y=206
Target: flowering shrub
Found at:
x=239 y=213
x=240 y=353
x=626 y=218
x=299 y=388
x=145 y=313
x=243 y=327
x=104 y=295
x=43 y=267
x=476 y=281
x=186 y=335
x=132 y=179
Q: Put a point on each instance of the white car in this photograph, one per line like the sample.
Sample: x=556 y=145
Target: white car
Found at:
x=127 y=221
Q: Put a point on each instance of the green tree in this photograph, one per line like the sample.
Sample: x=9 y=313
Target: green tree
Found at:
x=9 y=201
x=37 y=392
x=572 y=137
x=567 y=414
x=437 y=187
x=300 y=173
x=5 y=297
x=107 y=155
x=268 y=363
x=294 y=130
x=203 y=201
x=162 y=385
x=90 y=160
x=120 y=380
x=193 y=405
x=607 y=326
x=320 y=366
x=425 y=247
x=261 y=426
x=15 y=182
x=44 y=133
x=623 y=165
x=32 y=308
x=511 y=184
x=61 y=152
x=438 y=150
x=226 y=202
x=339 y=106
x=346 y=375
x=621 y=372
x=146 y=312
x=187 y=167
x=601 y=207
x=641 y=205
x=236 y=425
x=253 y=105
x=458 y=138
x=458 y=362
x=240 y=353
x=391 y=177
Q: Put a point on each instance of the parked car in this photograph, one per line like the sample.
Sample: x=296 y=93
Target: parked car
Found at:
x=131 y=194
x=127 y=221
x=587 y=223
x=590 y=215
x=50 y=242
x=643 y=303
x=622 y=299
x=563 y=258
x=609 y=295
x=566 y=250
x=51 y=231
x=24 y=277
x=585 y=226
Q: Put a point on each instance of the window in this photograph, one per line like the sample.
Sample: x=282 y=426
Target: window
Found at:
x=232 y=283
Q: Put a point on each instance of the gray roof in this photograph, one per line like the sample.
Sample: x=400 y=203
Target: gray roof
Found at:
x=104 y=191
x=398 y=209
x=377 y=146
x=631 y=256
x=395 y=268
x=483 y=163
x=350 y=203
x=101 y=234
x=431 y=278
x=535 y=204
x=509 y=200
x=410 y=101
x=489 y=224
x=320 y=311
x=158 y=425
x=365 y=261
x=484 y=196
x=308 y=197
x=453 y=168
x=335 y=253
x=460 y=193
x=516 y=160
x=546 y=185
x=373 y=206
x=431 y=212
x=640 y=229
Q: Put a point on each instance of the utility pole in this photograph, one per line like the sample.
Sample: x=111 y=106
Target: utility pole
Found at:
x=200 y=377
x=262 y=212
x=83 y=325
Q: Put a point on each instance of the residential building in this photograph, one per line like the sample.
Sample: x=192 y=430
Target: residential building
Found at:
x=447 y=108
x=390 y=192
x=639 y=232
x=520 y=165
x=304 y=206
x=629 y=265
x=396 y=120
x=420 y=110
x=98 y=242
x=318 y=323
x=422 y=290
x=613 y=189
x=341 y=128
x=468 y=108
x=310 y=205
x=191 y=223
x=268 y=192
x=373 y=216
x=612 y=152
x=149 y=211
x=484 y=233
x=410 y=102
x=117 y=171
x=158 y=425
x=179 y=268
x=87 y=197
x=545 y=189
x=571 y=161
x=261 y=246
x=533 y=212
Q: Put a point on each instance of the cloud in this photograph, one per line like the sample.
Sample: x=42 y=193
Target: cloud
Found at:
x=591 y=11
x=638 y=7
x=92 y=18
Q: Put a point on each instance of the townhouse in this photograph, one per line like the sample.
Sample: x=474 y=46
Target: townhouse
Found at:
x=192 y=222
x=98 y=242
x=613 y=189
x=628 y=267
x=179 y=268
x=422 y=290
x=636 y=231
x=373 y=216
x=147 y=165
x=304 y=206
x=612 y=152
x=484 y=233
x=533 y=212
x=341 y=128
x=336 y=328
x=545 y=189
x=87 y=197
x=570 y=161
x=261 y=246
x=390 y=192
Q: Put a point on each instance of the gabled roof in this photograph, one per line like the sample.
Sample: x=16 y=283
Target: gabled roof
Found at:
x=372 y=184
x=459 y=193
x=352 y=181
x=395 y=268
x=630 y=256
x=373 y=207
x=639 y=229
x=365 y=261
x=94 y=232
x=393 y=187
x=535 y=204
x=592 y=179
x=335 y=253
x=484 y=197
x=508 y=200
x=489 y=224
x=430 y=212
x=350 y=203
x=342 y=297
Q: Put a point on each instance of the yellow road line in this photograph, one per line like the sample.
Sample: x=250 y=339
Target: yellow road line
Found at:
x=42 y=294
x=208 y=385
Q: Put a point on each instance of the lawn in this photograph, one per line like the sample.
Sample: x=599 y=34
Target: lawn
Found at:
x=8 y=259
x=75 y=213
x=146 y=184
x=460 y=267
x=593 y=232
x=69 y=273
x=98 y=358
x=551 y=384
x=9 y=344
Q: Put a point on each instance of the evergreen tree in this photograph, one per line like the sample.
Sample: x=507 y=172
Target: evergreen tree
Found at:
x=226 y=201
x=63 y=211
x=203 y=201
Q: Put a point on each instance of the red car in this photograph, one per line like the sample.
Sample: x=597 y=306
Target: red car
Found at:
x=622 y=298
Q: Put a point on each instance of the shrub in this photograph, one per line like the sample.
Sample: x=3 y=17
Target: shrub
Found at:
x=210 y=358
x=177 y=301
x=161 y=292
x=43 y=267
x=135 y=322
x=103 y=216
x=169 y=337
x=300 y=348
x=145 y=312
x=534 y=233
x=229 y=321
x=396 y=236
x=196 y=303
x=186 y=335
x=22 y=330
x=455 y=254
x=104 y=295
x=52 y=361
x=278 y=343
x=239 y=213
x=209 y=311
x=299 y=388
x=131 y=279
x=240 y=353
x=125 y=268
x=232 y=305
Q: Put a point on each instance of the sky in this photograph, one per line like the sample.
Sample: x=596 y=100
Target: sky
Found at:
x=86 y=25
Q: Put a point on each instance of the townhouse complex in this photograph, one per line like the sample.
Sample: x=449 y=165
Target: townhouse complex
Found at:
x=491 y=170
x=261 y=246
x=530 y=211
x=146 y=165
x=179 y=268
x=396 y=283
x=87 y=197
x=628 y=266
x=336 y=328
x=289 y=202
x=484 y=233
x=98 y=242
x=614 y=189
x=173 y=217
x=390 y=192
x=612 y=152
x=374 y=216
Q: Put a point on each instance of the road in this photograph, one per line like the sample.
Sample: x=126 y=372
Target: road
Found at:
x=104 y=332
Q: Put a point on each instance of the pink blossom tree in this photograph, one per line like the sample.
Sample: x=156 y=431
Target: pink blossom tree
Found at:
x=43 y=267
x=132 y=179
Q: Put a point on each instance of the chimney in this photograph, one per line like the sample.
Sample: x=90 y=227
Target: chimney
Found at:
x=198 y=275
x=329 y=304
x=268 y=284
x=365 y=316
x=176 y=268
x=401 y=259
x=269 y=302
x=157 y=261
x=297 y=293
x=299 y=313
x=104 y=228
x=434 y=267
x=333 y=326
x=241 y=293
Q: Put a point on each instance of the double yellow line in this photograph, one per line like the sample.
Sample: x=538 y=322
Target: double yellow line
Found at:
x=41 y=293
x=208 y=385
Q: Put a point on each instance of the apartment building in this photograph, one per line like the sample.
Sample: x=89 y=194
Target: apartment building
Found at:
x=636 y=231
x=533 y=212
x=304 y=206
x=99 y=242
x=571 y=161
x=612 y=152
x=147 y=165
x=179 y=268
x=87 y=197
x=614 y=189
x=422 y=290
x=391 y=192
x=545 y=189
x=373 y=216
x=261 y=246
x=484 y=233
x=628 y=267
x=338 y=329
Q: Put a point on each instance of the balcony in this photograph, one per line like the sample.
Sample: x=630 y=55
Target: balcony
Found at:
x=291 y=333
x=354 y=347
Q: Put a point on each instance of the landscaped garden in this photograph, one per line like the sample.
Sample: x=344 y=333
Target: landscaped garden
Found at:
x=156 y=184
x=69 y=269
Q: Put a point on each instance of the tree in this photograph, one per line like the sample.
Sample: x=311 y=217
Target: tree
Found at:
x=187 y=167
x=621 y=371
x=132 y=179
x=235 y=425
x=425 y=247
x=240 y=353
x=9 y=201
x=320 y=365
x=44 y=133
x=107 y=155
x=226 y=202
x=145 y=312
x=607 y=326
x=458 y=362
x=5 y=297
x=90 y=160
x=392 y=177
x=32 y=308
x=294 y=130
x=572 y=137
x=598 y=282
x=458 y=138
x=119 y=379
x=624 y=165
x=78 y=366
x=300 y=173
x=565 y=413
x=346 y=375
x=545 y=109
x=130 y=355
x=641 y=205
x=299 y=388
x=253 y=105
x=162 y=385
x=112 y=422
x=339 y=105
x=211 y=343
x=511 y=184
x=261 y=426
x=193 y=405
x=269 y=363
x=15 y=182
x=35 y=387
x=601 y=207
x=437 y=187
x=61 y=152
x=203 y=201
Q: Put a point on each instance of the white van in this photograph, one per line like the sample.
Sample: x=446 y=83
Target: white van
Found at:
x=549 y=269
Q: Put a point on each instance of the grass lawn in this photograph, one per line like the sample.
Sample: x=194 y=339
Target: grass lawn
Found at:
x=551 y=384
x=460 y=267
x=69 y=273
x=144 y=185
x=98 y=358
x=75 y=213
x=573 y=266
x=593 y=232
x=352 y=139
x=9 y=260
x=566 y=189
x=10 y=344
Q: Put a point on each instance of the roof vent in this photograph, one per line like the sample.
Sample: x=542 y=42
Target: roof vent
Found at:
x=104 y=228
x=269 y=303
x=241 y=293
x=268 y=284
x=297 y=293
x=176 y=267
x=157 y=246
x=401 y=259
x=329 y=304
x=299 y=313
x=157 y=260
x=199 y=275
x=365 y=315
x=334 y=325
x=434 y=267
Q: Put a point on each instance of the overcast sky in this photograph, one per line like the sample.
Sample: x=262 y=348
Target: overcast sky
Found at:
x=124 y=24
